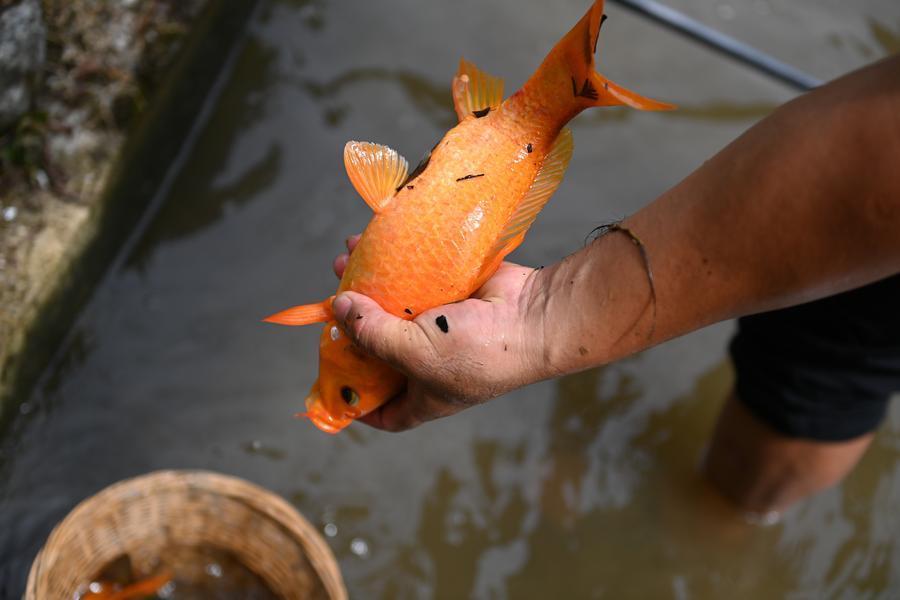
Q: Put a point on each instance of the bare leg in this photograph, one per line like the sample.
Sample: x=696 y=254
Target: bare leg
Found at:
x=762 y=470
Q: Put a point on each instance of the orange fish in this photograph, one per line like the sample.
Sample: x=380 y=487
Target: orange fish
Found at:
x=141 y=589
x=441 y=231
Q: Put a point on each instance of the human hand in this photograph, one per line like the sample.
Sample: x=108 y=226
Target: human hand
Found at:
x=454 y=356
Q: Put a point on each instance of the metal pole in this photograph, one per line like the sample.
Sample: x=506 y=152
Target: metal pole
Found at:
x=721 y=42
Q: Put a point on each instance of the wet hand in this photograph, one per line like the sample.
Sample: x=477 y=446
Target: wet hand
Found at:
x=454 y=356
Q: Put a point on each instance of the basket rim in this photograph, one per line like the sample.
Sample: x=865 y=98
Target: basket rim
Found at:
x=319 y=554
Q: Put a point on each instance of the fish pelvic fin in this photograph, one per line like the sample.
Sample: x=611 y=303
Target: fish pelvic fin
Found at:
x=307 y=314
x=569 y=71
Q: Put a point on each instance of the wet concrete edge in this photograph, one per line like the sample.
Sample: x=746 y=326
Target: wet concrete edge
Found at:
x=146 y=157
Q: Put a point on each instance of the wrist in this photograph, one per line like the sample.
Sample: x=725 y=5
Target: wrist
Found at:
x=535 y=336
x=555 y=316
x=595 y=306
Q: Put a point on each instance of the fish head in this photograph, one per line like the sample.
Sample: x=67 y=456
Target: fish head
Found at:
x=351 y=383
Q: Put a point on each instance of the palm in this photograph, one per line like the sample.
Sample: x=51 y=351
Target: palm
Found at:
x=459 y=354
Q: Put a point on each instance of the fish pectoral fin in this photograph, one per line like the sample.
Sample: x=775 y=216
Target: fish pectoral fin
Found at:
x=376 y=172
x=545 y=183
x=306 y=314
x=475 y=92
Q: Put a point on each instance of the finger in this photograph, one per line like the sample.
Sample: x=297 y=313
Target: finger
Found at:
x=352 y=241
x=408 y=410
x=386 y=419
x=339 y=264
x=401 y=343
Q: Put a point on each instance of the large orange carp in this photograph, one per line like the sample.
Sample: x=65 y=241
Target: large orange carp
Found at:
x=440 y=232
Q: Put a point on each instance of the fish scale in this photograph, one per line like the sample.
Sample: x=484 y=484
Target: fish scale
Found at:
x=437 y=235
x=439 y=210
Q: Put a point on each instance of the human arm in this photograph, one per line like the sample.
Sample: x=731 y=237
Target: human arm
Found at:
x=805 y=204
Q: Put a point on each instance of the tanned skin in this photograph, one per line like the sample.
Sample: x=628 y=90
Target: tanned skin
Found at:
x=803 y=205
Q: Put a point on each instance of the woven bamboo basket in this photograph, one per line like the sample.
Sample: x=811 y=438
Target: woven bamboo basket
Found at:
x=140 y=518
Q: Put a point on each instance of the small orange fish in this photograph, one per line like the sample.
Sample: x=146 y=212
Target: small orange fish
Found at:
x=443 y=230
x=141 y=589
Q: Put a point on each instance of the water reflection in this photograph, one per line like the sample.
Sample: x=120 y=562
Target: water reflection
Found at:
x=843 y=543
x=80 y=345
x=311 y=12
x=458 y=527
x=724 y=111
x=719 y=111
x=432 y=99
x=596 y=493
x=888 y=40
x=200 y=197
x=257 y=447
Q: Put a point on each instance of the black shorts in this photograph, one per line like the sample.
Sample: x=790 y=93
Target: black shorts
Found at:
x=823 y=370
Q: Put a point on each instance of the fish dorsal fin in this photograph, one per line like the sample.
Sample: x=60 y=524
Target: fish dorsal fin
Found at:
x=376 y=172
x=475 y=92
x=545 y=183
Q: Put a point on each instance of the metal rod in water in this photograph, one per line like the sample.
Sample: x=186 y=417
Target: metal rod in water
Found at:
x=721 y=42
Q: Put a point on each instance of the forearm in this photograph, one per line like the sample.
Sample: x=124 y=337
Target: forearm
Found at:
x=805 y=204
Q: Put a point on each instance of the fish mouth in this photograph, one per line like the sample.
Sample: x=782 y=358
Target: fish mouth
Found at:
x=320 y=417
x=327 y=423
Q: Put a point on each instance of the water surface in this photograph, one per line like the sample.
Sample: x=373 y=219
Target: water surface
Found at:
x=578 y=488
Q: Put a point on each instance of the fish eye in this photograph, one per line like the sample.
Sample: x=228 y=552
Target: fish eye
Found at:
x=350 y=396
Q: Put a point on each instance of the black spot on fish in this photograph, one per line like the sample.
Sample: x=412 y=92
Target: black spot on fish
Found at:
x=587 y=90
x=407 y=311
x=529 y=148
x=481 y=113
x=358 y=317
x=504 y=347
x=582 y=350
x=605 y=85
x=423 y=164
x=442 y=324
x=471 y=176
x=409 y=187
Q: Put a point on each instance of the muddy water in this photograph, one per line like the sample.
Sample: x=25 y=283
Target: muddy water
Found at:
x=582 y=487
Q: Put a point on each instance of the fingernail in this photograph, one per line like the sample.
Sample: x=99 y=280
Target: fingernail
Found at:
x=341 y=306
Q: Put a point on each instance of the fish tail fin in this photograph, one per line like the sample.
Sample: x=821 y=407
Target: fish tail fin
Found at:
x=569 y=68
x=306 y=314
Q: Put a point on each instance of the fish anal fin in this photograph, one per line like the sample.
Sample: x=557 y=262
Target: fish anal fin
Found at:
x=375 y=171
x=475 y=92
x=306 y=314
x=542 y=188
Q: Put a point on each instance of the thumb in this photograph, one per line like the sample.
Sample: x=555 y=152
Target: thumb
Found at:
x=378 y=332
